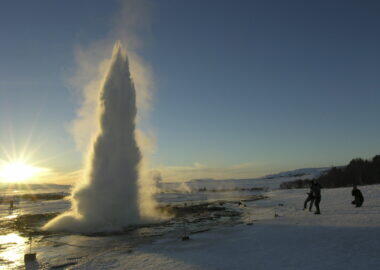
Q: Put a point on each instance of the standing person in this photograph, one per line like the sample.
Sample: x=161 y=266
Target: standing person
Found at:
x=11 y=204
x=310 y=198
x=316 y=189
x=359 y=199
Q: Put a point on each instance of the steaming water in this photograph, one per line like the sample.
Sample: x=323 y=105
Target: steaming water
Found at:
x=52 y=251
x=108 y=198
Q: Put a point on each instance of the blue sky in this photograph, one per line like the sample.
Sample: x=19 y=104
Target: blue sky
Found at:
x=243 y=88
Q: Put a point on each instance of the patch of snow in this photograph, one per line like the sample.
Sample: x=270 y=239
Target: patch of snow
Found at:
x=343 y=237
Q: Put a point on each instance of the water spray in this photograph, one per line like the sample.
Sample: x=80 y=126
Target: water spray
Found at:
x=108 y=197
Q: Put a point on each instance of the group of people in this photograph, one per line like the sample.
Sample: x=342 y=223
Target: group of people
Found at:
x=314 y=197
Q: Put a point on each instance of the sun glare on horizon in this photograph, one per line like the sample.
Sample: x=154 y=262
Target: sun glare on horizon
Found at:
x=19 y=171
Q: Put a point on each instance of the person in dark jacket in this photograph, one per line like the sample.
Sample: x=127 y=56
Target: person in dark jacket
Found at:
x=11 y=202
x=359 y=199
x=310 y=198
x=316 y=189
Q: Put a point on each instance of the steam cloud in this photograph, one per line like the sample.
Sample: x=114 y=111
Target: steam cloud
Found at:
x=108 y=200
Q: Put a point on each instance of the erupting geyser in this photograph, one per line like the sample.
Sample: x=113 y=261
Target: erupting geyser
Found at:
x=107 y=200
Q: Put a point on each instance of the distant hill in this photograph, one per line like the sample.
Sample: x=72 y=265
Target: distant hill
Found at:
x=359 y=172
x=17 y=188
x=309 y=172
x=272 y=181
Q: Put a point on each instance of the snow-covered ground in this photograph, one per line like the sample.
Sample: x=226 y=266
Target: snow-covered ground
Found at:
x=343 y=237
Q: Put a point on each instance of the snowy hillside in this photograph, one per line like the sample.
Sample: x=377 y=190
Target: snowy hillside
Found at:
x=301 y=173
x=271 y=182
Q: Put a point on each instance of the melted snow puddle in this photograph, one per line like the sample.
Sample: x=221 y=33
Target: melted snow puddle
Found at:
x=12 y=248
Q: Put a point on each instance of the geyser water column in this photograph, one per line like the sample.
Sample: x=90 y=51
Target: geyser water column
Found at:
x=107 y=200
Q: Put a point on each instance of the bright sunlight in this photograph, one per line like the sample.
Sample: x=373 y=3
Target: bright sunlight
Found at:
x=19 y=171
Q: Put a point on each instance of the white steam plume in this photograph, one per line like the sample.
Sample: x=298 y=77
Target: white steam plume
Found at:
x=116 y=188
x=109 y=198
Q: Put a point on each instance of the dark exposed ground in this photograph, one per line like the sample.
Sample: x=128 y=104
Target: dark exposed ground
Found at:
x=182 y=210
x=210 y=212
x=26 y=224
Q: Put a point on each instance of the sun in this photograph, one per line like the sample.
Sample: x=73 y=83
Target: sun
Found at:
x=19 y=171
